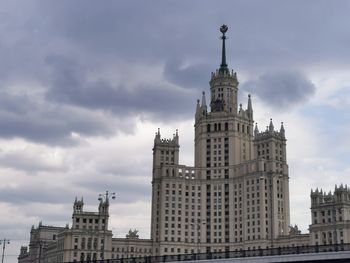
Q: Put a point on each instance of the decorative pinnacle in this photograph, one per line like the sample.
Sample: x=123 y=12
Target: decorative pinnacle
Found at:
x=223 y=66
x=223 y=29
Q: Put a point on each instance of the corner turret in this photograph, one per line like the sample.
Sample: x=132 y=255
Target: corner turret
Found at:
x=78 y=205
x=165 y=151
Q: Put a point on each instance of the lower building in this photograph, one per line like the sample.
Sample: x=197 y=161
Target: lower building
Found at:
x=41 y=238
x=88 y=237
x=330 y=216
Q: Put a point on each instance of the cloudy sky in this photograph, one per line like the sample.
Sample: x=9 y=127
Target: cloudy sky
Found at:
x=85 y=84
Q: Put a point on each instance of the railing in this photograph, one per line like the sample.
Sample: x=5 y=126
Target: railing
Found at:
x=228 y=254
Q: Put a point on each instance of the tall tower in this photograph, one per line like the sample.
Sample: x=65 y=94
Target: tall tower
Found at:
x=237 y=194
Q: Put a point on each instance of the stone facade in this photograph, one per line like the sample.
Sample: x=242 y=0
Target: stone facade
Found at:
x=41 y=238
x=237 y=194
x=330 y=216
x=131 y=246
x=88 y=238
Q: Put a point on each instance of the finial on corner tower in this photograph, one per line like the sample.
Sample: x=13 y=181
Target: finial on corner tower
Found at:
x=157 y=137
x=223 y=66
x=271 y=127
x=282 y=131
x=256 y=130
x=204 y=103
x=250 y=108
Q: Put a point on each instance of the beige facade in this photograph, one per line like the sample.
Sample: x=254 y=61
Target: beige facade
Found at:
x=88 y=238
x=40 y=238
x=131 y=246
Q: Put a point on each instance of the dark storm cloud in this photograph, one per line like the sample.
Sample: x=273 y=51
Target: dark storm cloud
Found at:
x=181 y=36
x=70 y=86
x=31 y=118
x=190 y=77
x=281 y=90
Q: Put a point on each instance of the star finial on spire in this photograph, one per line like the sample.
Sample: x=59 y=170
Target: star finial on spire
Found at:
x=223 y=66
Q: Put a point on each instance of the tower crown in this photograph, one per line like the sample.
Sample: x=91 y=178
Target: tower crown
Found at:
x=223 y=83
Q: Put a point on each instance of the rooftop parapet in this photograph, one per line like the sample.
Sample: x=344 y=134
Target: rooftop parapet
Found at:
x=270 y=131
x=341 y=194
x=166 y=142
x=219 y=74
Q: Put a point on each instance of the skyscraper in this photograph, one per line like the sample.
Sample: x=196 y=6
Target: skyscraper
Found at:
x=235 y=197
x=237 y=194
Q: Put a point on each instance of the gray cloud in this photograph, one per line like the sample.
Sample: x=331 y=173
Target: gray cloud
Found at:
x=191 y=77
x=28 y=192
x=281 y=90
x=32 y=118
x=28 y=161
x=70 y=86
x=96 y=37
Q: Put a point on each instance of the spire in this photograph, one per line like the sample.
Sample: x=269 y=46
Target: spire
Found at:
x=256 y=130
x=271 y=128
x=197 y=108
x=176 y=137
x=157 y=137
x=204 y=103
x=223 y=66
x=282 y=130
x=250 y=108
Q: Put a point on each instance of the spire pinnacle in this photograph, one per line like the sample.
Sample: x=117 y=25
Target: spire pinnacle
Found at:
x=282 y=131
x=250 y=108
x=256 y=130
x=204 y=103
x=271 y=127
x=223 y=66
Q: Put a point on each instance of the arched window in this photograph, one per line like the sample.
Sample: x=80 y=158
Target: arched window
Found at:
x=208 y=128
x=219 y=125
x=226 y=126
x=215 y=127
